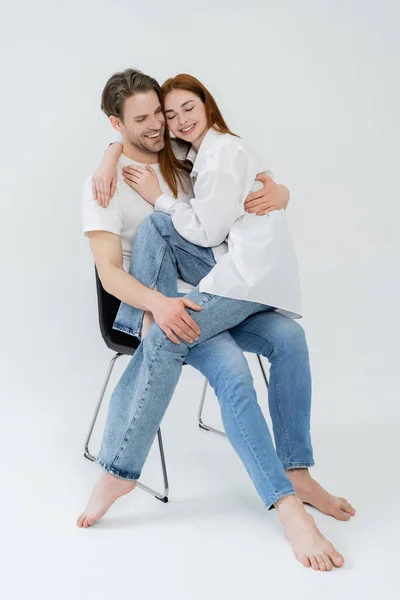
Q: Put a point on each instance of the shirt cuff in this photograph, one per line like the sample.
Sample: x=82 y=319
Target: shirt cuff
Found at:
x=164 y=203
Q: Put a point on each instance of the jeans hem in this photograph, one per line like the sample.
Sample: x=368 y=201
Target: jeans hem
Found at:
x=117 y=472
x=270 y=504
x=298 y=465
x=127 y=330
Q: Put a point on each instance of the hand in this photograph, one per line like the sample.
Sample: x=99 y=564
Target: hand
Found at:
x=104 y=183
x=271 y=197
x=144 y=181
x=171 y=316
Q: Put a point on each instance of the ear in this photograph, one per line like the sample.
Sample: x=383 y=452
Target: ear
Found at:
x=116 y=123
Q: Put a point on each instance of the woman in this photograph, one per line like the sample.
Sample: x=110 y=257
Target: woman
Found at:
x=223 y=173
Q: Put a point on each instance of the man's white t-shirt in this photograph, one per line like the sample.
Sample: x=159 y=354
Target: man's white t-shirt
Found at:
x=126 y=211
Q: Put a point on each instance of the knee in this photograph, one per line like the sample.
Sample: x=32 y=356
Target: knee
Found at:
x=161 y=221
x=291 y=337
x=157 y=342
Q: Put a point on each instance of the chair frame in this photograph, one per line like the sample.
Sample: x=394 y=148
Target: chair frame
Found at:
x=162 y=496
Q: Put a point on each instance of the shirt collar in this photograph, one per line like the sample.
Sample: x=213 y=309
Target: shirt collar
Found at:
x=194 y=156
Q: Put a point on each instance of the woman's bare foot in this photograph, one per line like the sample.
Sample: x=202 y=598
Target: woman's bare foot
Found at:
x=308 y=544
x=106 y=491
x=311 y=492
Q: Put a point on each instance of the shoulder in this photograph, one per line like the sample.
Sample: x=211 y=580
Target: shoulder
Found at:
x=180 y=148
x=226 y=150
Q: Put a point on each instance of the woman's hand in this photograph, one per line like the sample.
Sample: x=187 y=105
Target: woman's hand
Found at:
x=144 y=181
x=271 y=197
x=104 y=181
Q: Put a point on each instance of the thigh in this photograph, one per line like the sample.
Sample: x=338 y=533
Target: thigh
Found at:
x=193 y=262
x=219 y=356
x=218 y=313
x=266 y=332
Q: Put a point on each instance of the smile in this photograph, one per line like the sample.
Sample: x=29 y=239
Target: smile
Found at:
x=188 y=129
x=154 y=135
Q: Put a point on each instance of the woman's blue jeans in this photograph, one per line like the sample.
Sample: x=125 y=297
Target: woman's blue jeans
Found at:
x=144 y=391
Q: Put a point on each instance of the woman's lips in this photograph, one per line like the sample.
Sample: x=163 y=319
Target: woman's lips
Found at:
x=188 y=130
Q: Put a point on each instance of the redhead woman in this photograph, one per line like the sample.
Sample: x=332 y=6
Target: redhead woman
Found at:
x=244 y=269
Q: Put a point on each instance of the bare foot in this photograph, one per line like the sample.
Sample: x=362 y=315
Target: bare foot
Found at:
x=106 y=491
x=311 y=492
x=310 y=547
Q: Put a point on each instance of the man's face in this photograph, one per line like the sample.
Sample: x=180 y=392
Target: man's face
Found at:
x=143 y=123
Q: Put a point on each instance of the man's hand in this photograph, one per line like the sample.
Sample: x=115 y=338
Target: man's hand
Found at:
x=271 y=197
x=171 y=316
x=143 y=181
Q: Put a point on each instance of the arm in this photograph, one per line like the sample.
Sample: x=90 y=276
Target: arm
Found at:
x=104 y=181
x=207 y=219
x=271 y=196
x=169 y=313
x=107 y=253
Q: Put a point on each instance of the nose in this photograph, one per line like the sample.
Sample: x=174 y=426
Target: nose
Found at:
x=183 y=120
x=155 y=124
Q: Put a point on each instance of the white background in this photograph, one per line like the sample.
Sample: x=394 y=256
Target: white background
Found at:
x=314 y=85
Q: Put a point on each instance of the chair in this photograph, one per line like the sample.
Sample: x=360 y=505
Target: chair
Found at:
x=124 y=344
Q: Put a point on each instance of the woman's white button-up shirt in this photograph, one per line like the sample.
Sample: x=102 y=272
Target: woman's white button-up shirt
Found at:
x=256 y=258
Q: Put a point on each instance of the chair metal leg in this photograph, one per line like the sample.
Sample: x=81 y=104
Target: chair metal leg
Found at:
x=160 y=496
x=202 y=425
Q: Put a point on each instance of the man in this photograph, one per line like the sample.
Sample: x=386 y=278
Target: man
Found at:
x=131 y=100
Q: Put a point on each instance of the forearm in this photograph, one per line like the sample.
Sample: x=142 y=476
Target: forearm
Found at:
x=126 y=288
x=112 y=153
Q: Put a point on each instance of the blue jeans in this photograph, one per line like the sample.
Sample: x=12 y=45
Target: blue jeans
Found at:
x=145 y=389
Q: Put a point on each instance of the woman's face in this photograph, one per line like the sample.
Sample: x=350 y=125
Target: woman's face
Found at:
x=186 y=116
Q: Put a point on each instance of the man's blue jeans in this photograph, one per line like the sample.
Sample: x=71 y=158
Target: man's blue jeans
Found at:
x=145 y=389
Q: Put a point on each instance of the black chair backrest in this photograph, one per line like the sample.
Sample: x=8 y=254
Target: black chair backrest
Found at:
x=108 y=306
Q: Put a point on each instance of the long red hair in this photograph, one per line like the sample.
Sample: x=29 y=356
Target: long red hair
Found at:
x=183 y=81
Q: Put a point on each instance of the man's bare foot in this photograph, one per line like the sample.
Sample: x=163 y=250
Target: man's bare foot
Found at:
x=106 y=491
x=311 y=492
x=310 y=547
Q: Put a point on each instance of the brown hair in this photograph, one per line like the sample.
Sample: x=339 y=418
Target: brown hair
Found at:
x=124 y=85
x=183 y=81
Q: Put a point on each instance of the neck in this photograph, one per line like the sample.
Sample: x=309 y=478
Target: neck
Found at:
x=134 y=153
x=197 y=143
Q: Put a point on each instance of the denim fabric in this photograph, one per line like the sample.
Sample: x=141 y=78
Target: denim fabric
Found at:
x=144 y=391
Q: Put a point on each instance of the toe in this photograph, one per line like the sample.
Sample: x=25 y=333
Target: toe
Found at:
x=314 y=563
x=347 y=507
x=328 y=561
x=305 y=562
x=337 y=559
x=341 y=515
x=321 y=563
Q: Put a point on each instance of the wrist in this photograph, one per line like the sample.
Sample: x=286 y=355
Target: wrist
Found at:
x=154 y=300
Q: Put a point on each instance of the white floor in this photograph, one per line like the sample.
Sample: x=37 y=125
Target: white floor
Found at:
x=213 y=539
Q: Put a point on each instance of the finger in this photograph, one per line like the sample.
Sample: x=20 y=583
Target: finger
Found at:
x=254 y=196
x=113 y=186
x=191 y=323
x=262 y=197
x=94 y=190
x=259 y=207
x=182 y=334
x=104 y=195
x=133 y=178
x=134 y=169
x=186 y=328
x=263 y=177
x=265 y=212
x=170 y=335
x=191 y=304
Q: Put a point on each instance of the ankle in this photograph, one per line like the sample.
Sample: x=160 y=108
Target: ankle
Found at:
x=289 y=502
